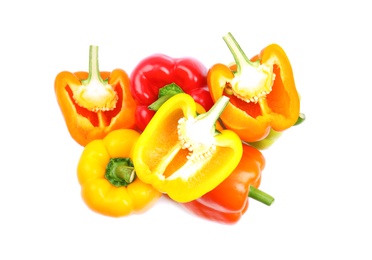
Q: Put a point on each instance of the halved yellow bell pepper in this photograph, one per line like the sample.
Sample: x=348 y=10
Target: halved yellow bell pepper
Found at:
x=180 y=152
x=106 y=173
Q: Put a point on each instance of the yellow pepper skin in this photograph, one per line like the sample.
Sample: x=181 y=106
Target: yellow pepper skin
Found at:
x=185 y=170
x=97 y=192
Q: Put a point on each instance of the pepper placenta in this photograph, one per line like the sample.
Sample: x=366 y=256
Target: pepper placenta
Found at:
x=262 y=91
x=159 y=70
x=229 y=200
x=94 y=103
x=180 y=152
x=109 y=185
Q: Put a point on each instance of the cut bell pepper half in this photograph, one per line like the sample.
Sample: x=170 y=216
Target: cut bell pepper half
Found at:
x=180 y=152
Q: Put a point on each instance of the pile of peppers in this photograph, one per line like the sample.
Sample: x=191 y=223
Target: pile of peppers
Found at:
x=176 y=128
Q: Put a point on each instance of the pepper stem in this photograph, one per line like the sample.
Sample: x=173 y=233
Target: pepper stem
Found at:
x=165 y=93
x=260 y=196
x=252 y=80
x=240 y=58
x=197 y=134
x=301 y=119
x=94 y=73
x=94 y=93
x=126 y=173
x=120 y=171
x=210 y=118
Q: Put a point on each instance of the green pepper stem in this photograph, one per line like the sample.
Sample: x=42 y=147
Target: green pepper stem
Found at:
x=165 y=93
x=210 y=118
x=198 y=134
x=94 y=73
x=159 y=102
x=260 y=196
x=126 y=173
x=120 y=171
x=240 y=58
x=301 y=119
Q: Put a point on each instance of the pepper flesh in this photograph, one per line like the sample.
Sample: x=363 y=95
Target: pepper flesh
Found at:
x=118 y=197
x=179 y=152
x=262 y=92
x=94 y=103
x=159 y=70
x=228 y=202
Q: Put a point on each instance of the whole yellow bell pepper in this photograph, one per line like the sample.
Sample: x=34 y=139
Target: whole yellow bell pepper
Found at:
x=109 y=185
x=180 y=152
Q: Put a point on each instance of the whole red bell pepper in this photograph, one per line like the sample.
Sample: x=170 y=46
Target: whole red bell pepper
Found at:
x=230 y=199
x=158 y=70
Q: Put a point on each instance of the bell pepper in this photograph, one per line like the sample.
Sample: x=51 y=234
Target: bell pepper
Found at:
x=228 y=202
x=94 y=103
x=109 y=185
x=159 y=70
x=262 y=91
x=180 y=152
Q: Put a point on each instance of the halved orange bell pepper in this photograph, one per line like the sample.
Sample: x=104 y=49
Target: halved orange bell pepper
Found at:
x=180 y=152
x=94 y=103
x=262 y=91
x=109 y=185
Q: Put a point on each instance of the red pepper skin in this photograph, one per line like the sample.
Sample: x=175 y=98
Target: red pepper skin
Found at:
x=158 y=70
x=228 y=202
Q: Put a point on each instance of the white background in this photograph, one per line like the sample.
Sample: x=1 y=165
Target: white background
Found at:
x=319 y=172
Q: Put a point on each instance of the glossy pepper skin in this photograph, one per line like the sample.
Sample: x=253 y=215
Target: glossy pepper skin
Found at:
x=181 y=154
x=105 y=173
x=94 y=103
x=228 y=202
x=158 y=70
x=262 y=92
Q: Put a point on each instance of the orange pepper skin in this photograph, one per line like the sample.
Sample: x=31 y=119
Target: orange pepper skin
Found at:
x=97 y=192
x=278 y=110
x=228 y=202
x=85 y=125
